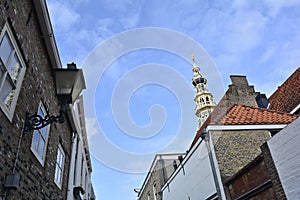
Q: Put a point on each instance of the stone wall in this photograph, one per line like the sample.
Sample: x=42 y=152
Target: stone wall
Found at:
x=36 y=181
x=240 y=92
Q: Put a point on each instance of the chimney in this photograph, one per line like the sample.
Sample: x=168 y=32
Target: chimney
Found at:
x=239 y=80
x=175 y=165
x=262 y=101
x=180 y=158
x=240 y=92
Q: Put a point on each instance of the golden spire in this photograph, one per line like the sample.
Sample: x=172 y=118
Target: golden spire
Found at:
x=196 y=68
x=193 y=57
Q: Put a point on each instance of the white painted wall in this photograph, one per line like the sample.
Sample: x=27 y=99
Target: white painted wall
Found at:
x=285 y=151
x=82 y=175
x=197 y=183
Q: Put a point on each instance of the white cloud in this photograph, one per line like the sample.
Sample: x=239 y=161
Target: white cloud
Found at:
x=63 y=15
x=268 y=54
x=126 y=12
x=275 y=6
x=130 y=20
x=103 y=27
x=119 y=6
x=91 y=127
x=244 y=31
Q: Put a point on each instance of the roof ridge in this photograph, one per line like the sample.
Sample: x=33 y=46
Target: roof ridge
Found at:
x=266 y=109
x=287 y=96
x=288 y=78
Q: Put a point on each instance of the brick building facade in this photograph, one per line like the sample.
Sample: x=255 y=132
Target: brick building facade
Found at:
x=231 y=137
x=161 y=169
x=274 y=173
x=40 y=159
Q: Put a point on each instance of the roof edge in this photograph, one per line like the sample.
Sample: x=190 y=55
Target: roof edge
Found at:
x=245 y=127
x=47 y=32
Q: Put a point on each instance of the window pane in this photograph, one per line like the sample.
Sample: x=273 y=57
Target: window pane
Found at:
x=59 y=176
x=7 y=87
x=44 y=132
x=41 y=148
x=58 y=156
x=6 y=93
x=41 y=112
x=35 y=140
x=61 y=160
x=56 y=173
x=14 y=68
x=59 y=166
x=6 y=49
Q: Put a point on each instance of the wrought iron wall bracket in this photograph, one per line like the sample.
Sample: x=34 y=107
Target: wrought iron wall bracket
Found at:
x=35 y=121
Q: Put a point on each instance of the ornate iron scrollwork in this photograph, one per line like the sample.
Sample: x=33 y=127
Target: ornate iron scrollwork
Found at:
x=35 y=121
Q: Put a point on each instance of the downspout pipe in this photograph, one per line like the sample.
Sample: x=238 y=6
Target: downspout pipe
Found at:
x=206 y=137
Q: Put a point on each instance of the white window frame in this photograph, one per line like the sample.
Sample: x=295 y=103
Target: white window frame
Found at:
x=34 y=149
x=59 y=167
x=9 y=111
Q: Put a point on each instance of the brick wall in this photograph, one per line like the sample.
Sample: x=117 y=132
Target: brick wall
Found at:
x=285 y=151
x=273 y=172
x=155 y=177
x=258 y=180
x=253 y=181
x=36 y=181
x=162 y=171
x=235 y=149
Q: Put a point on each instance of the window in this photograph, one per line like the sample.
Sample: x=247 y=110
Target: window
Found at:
x=82 y=169
x=59 y=166
x=12 y=70
x=148 y=196
x=76 y=164
x=154 y=191
x=39 y=138
x=86 y=180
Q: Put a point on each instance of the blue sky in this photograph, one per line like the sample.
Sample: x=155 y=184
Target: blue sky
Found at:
x=139 y=100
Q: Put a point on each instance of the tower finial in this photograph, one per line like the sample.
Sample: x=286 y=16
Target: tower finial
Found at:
x=194 y=63
x=193 y=58
x=196 y=68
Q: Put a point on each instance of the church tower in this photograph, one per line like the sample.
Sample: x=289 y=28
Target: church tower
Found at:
x=203 y=98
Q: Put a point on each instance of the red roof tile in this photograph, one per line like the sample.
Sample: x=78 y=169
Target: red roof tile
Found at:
x=287 y=96
x=245 y=115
